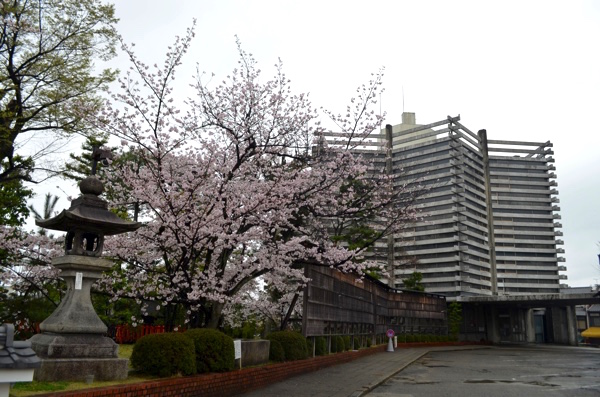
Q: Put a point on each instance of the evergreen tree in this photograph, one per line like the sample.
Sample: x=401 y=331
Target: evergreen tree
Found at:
x=80 y=165
x=414 y=282
x=454 y=319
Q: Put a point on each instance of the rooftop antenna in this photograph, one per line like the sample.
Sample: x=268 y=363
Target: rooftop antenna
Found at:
x=402 y=98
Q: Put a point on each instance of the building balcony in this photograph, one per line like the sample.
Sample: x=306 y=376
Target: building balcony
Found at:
x=524 y=284
x=550 y=277
x=517 y=250
x=450 y=258
x=512 y=223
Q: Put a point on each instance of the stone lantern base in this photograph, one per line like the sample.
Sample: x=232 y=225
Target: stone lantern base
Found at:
x=72 y=344
x=85 y=369
x=77 y=358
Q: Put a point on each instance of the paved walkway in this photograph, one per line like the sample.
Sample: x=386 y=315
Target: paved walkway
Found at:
x=353 y=379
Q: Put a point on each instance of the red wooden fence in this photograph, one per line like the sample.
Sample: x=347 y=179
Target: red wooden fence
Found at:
x=122 y=333
x=128 y=334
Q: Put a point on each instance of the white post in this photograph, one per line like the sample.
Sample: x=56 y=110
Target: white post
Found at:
x=390 y=346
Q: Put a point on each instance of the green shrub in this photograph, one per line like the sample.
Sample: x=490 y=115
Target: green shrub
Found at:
x=214 y=350
x=320 y=346
x=369 y=341
x=333 y=344
x=339 y=344
x=309 y=346
x=164 y=355
x=356 y=340
x=410 y=338
x=276 y=352
x=347 y=342
x=293 y=343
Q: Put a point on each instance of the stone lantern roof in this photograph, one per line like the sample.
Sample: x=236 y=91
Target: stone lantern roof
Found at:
x=88 y=219
x=89 y=212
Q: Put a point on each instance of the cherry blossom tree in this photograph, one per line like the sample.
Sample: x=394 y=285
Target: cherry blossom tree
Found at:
x=237 y=184
x=29 y=287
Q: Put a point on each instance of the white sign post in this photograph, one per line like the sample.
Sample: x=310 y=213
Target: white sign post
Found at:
x=237 y=346
x=390 y=335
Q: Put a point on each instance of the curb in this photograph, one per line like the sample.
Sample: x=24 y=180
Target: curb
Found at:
x=368 y=389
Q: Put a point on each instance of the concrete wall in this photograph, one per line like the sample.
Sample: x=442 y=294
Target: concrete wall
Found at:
x=255 y=352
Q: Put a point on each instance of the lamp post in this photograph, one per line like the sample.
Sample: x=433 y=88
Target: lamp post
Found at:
x=72 y=344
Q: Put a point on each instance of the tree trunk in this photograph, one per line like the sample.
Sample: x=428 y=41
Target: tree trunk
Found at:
x=214 y=319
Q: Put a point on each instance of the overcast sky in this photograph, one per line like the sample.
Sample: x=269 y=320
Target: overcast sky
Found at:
x=523 y=70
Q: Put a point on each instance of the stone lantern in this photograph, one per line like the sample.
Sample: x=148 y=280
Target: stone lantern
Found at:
x=72 y=344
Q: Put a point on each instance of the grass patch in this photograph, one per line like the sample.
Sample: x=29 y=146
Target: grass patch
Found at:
x=24 y=389
x=125 y=351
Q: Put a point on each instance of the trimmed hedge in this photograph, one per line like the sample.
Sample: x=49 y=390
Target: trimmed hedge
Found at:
x=347 y=343
x=309 y=347
x=337 y=344
x=164 y=355
x=426 y=338
x=276 y=352
x=214 y=350
x=293 y=344
x=320 y=346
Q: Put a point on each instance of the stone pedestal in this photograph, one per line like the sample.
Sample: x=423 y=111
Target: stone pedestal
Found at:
x=72 y=345
x=81 y=369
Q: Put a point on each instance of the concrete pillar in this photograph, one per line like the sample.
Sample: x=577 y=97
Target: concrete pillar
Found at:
x=491 y=324
x=571 y=325
x=490 y=215
x=564 y=331
x=558 y=325
x=529 y=326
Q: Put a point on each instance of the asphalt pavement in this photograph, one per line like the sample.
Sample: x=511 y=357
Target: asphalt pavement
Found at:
x=354 y=379
x=502 y=371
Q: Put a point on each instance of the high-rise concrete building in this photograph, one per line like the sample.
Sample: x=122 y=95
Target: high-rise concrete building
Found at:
x=489 y=216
